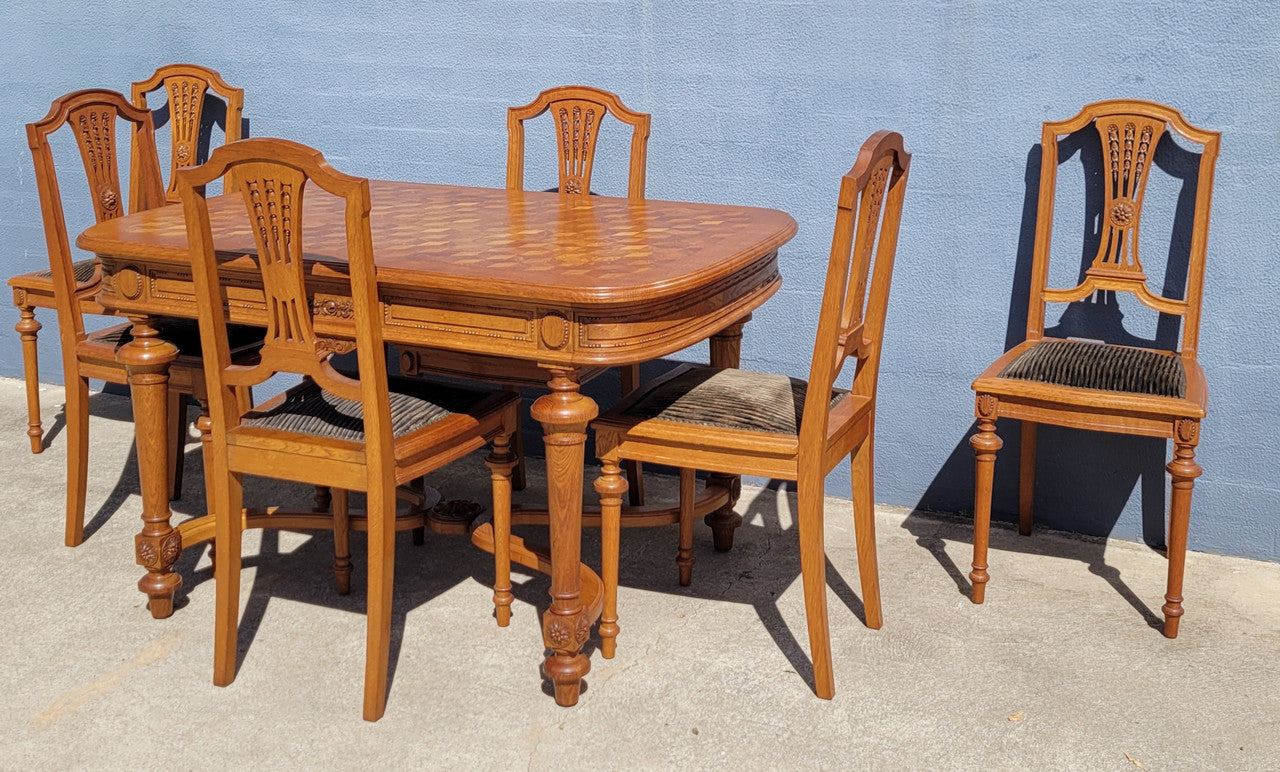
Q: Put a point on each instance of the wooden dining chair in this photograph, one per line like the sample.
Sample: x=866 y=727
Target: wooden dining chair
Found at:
x=185 y=86
x=1087 y=384
x=742 y=422
x=93 y=117
x=578 y=115
x=367 y=434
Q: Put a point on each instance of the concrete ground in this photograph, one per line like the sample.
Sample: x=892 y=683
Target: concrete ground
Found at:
x=1061 y=668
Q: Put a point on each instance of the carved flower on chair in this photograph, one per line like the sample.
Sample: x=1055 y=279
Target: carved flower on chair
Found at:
x=1122 y=213
x=108 y=199
x=572 y=186
x=183 y=153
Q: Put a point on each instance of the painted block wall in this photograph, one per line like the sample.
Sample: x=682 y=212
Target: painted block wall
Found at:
x=765 y=103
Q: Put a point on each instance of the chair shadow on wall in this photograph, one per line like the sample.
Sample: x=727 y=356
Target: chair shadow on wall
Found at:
x=1112 y=464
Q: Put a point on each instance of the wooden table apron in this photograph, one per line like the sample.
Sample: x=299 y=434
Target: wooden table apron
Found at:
x=525 y=282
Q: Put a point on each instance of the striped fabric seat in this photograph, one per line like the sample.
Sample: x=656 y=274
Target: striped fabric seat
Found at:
x=81 y=270
x=415 y=404
x=729 y=399
x=183 y=333
x=1101 y=366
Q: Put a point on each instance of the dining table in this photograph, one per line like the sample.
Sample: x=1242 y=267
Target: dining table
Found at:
x=480 y=282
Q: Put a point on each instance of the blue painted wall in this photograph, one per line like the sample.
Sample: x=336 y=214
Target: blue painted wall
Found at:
x=765 y=103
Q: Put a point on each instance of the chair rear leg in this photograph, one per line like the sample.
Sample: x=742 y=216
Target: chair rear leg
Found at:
x=381 y=497
x=813 y=571
x=342 y=540
x=985 y=444
x=177 y=442
x=501 y=461
x=518 y=477
x=77 y=411
x=610 y=485
x=1027 y=478
x=228 y=506
x=630 y=375
x=684 y=555
x=864 y=529
x=28 y=328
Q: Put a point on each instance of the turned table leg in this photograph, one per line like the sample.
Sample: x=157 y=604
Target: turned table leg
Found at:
x=146 y=359
x=27 y=328
x=564 y=414
x=726 y=351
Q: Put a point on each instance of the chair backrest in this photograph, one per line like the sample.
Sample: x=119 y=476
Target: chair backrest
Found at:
x=856 y=294
x=577 y=112
x=94 y=116
x=185 y=87
x=1129 y=130
x=274 y=174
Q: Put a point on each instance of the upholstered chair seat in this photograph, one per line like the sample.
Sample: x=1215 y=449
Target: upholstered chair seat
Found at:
x=1101 y=366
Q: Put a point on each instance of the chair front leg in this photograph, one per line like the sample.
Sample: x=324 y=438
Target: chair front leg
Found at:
x=1184 y=470
x=611 y=485
x=27 y=328
x=985 y=444
x=684 y=554
x=501 y=462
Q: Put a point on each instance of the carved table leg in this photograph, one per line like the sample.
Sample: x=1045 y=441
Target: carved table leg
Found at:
x=27 y=328
x=146 y=358
x=564 y=414
x=985 y=444
x=726 y=351
x=1184 y=470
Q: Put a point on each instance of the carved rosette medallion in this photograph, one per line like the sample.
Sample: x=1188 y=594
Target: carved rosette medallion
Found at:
x=183 y=153
x=554 y=330
x=19 y=297
x=109 y=199
x=128 y=282
x=986 y=406
x=159 y=554
x=408 y=363
x=572 y=186
x=1187 y=430
x=1122 y=213
x=566 y=633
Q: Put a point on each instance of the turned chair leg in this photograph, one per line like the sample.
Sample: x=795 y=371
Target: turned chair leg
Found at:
x=518 y=477
x=177 y=442
x=1183 y=470
x=985 y=444
x=684 y=555
x=501 y=461
x=610 y=485
x=1027 y=478
x=228 y=504
x=77 y=411
x=864 y=529
x=27 y=328
x=813 y=572
x=341 y=504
